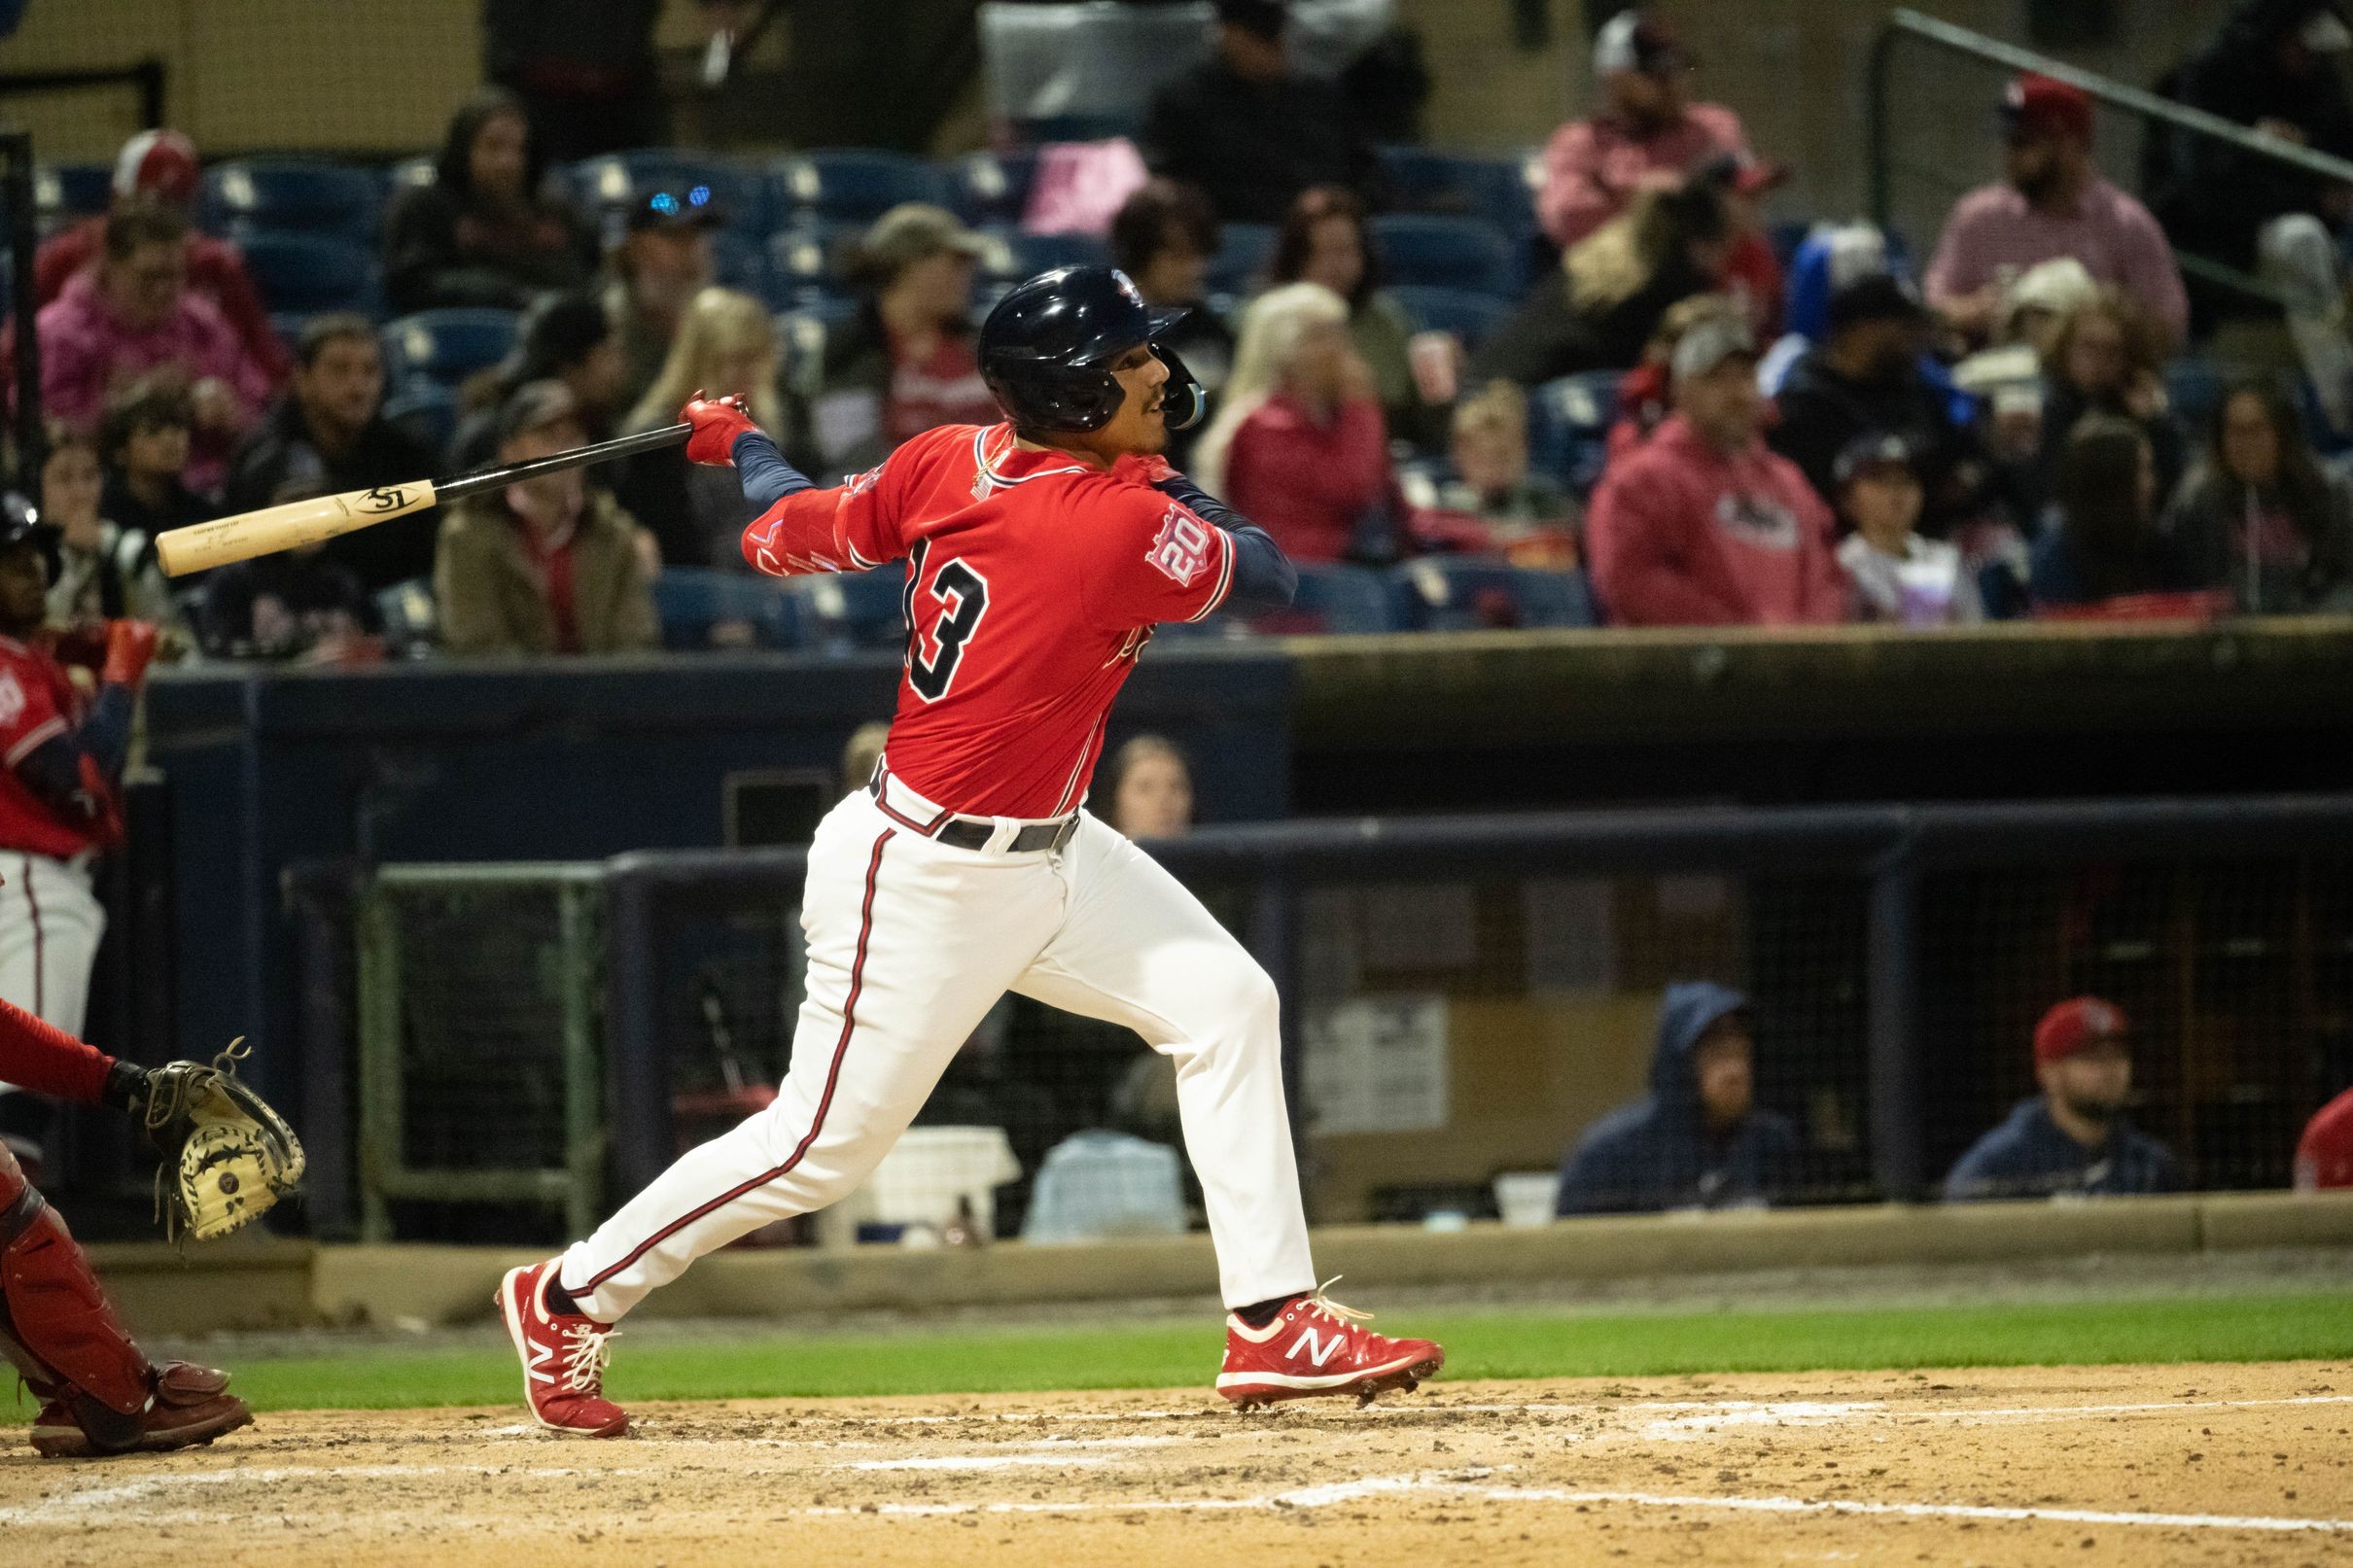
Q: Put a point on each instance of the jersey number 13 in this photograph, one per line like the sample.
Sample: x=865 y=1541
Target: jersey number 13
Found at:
x=952 y=601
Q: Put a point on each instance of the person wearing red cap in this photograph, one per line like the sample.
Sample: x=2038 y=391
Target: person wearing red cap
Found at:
x=2070 y=1140
x=2324 y=1155
x=2051 y=202
x=160 y=166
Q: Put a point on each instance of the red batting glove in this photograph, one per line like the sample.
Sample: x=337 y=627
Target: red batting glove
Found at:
x=716 y=422
x=130 y=646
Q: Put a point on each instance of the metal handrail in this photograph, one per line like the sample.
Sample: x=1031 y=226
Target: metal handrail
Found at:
x=1902 y=24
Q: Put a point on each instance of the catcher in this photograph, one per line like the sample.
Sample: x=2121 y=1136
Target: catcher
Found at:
x=227 y=1158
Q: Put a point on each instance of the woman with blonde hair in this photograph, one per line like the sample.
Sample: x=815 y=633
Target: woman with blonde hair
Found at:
x=1299 y=446
x=726 y=346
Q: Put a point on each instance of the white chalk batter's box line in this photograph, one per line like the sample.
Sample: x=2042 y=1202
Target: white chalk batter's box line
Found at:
x=1470 y=1486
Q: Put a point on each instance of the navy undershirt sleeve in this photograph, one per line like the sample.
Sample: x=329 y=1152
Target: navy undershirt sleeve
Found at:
x=1264 y=578
x=767 y=478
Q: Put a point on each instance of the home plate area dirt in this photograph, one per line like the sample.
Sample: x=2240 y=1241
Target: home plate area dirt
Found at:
x=2216 y=1464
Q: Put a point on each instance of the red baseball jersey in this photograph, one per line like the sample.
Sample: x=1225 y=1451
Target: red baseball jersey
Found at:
x=2324 y=1155
x=37 y=701
x=1034 y=579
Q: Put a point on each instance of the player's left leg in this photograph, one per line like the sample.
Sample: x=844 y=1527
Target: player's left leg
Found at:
x=1137 y=948
x=98 y=1393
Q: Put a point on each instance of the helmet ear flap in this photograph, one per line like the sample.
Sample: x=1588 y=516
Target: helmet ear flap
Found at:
x=1188 y=398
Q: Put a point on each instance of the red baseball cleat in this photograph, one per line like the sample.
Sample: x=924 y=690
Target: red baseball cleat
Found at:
x=191 y=1406
x=563 y=1355
x=1317 y=1347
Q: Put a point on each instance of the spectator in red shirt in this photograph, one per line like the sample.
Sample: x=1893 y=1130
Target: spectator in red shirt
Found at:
x=905 y=365
x=1648 y=137
x=159 y=166
x=2052 y=202
x=2324 y=1155
x=1300 y=447
x=1705 y=525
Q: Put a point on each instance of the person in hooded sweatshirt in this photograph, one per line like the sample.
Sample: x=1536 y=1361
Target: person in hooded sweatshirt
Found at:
x=2071 y=1139
x=1697 y=1141
x=482 y=232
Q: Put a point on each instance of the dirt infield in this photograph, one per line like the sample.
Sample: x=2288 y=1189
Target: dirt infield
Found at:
x=2212 y=1464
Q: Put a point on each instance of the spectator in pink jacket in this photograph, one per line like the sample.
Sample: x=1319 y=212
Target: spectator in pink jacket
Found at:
x=134 y=314
x=1705 y=525
x=1300 y=447
x=1649 y=135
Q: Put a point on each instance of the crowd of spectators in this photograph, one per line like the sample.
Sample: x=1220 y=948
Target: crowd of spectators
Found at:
x=1797 y=435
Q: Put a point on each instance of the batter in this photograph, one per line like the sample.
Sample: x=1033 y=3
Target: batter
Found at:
x=1039 y=553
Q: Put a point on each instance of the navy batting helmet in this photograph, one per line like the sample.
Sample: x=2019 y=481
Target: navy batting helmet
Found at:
x=1046 y=350
x=21 y=524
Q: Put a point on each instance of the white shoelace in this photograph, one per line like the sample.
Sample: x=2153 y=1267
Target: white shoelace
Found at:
x=585 y=1366
x=1325 y=1306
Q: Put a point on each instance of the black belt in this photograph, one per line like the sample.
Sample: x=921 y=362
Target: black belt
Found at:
x=973 y=833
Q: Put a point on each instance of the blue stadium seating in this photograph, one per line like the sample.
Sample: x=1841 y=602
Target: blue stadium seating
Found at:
x=63 y=192
x=446 y=346
x=304 y=274
x=1451 y=253
x=411 y=617
x=292 y=195
x=1243 y=250
x=1344 y=598
x=606 y=185
x=1028 y=255
x=2193 y=388
x=850 y=610
x=1568 y=424
x=1463 y=185
x=809 y=260
x=427 y=410
x=740 y=260
x=693 y=601
x=1468 y=316
x=1455 y=593
x=856 y=183
x=994 y=188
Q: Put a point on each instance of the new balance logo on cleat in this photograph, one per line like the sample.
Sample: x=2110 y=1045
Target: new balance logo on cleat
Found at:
x=1316 y=1347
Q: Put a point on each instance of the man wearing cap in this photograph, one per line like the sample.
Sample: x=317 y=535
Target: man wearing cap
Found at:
x=2071 y=1139
x=663 y=260
x=1704 y=525
x=1864 y=377
x=1648 y=134
x=2052 y=202
x=159 y=166
x=905 y=362
x=1899 y=577
x=326 y=432
x=547 y=565
x=1249 y=132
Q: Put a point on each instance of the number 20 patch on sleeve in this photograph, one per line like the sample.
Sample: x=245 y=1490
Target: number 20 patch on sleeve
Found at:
x=1185 y=548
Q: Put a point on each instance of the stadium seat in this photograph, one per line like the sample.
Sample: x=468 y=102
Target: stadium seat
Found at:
x=427 y=410
x=292 y=195
x=307 y=273
x=809 y=260
x=409 y=173
x=694 y=603
x=1243 y=250
x=1451 y=253
x=994 y=188
x=1032 y=253
x=1468 y=316
x=738 y=261
x=606 y=185
x=2193 y=388
x=845 y=611
x=1462 y=184
x=64 y=192
x=855 y=183
x=1344 y=599
x=1568 y=424
x=1457 y=593
x=411 y=617
x=446 y=346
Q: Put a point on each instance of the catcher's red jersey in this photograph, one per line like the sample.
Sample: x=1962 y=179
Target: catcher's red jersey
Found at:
x=1034 y=579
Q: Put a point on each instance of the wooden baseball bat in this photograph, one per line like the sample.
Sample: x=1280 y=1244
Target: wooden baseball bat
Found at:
x=201 y=546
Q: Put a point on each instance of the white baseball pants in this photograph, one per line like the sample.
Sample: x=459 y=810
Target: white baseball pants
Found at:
x=910 y=942
x=49 y=926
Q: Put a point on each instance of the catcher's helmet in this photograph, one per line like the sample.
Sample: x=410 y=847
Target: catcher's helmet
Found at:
x=20 y=524
x=1046 y=349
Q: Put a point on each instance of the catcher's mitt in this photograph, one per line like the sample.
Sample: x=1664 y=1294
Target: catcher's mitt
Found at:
x=228 y=1155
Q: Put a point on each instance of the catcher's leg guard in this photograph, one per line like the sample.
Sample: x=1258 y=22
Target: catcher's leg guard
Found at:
x=55 y=1323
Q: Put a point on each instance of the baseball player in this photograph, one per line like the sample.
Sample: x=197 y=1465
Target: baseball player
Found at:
x=1039 y=553
x=98 y=1394
x=63 y=757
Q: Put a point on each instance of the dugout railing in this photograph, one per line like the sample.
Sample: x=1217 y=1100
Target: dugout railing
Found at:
x=1897 y=956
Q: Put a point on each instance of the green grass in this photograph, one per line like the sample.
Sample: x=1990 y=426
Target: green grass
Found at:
x=1479 y=1344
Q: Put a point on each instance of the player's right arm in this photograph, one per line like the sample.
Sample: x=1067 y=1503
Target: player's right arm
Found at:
x=72 y=768
x=800 y=529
